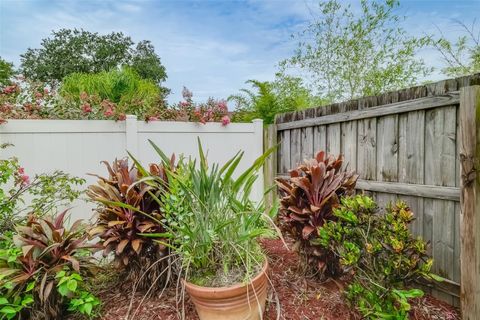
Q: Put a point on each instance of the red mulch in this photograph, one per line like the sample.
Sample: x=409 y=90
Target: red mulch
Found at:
x=299 y=299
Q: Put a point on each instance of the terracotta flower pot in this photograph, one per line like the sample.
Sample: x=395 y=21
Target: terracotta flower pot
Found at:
x=238 y=302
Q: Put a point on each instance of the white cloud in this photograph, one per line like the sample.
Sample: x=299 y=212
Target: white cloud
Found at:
x=212 y=47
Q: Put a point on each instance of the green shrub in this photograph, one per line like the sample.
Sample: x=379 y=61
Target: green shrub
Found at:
x=123 y=87
x=46 y=192
x=380 y=253
x=42 y=264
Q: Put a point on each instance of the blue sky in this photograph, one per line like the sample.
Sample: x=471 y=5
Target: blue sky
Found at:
x=212 y=47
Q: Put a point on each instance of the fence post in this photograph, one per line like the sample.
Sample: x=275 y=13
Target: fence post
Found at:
x=470 y=202
x=131 y=134
x=258 y=151
x=270 y=168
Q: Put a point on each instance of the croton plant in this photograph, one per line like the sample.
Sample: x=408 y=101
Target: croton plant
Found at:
x=307 y=201
x=129 y=222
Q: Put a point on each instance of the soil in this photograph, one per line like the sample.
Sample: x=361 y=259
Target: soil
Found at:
x=291 y=297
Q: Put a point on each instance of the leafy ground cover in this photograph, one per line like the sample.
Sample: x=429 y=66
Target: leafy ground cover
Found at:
x=299 y=298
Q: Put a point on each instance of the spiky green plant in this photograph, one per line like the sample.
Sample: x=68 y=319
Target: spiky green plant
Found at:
x=213 y=222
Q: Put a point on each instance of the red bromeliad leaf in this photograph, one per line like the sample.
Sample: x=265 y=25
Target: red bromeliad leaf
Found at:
x=136 y=245
x=119 y=225
x=309 y=196
x=121 y=246
x=75 y=263
x=307 y=230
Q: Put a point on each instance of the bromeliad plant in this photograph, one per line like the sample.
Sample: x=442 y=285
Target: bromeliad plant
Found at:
x=42 y=268
x=308 y=199
x=129 y=222
x=380 y=253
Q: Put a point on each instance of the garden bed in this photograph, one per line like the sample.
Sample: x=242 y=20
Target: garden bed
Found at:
x=300 y=299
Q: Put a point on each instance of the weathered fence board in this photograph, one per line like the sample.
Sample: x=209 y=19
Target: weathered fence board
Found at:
x=404 y=145
x=470 y=202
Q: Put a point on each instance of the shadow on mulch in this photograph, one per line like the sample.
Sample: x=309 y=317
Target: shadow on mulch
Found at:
x=292 y=298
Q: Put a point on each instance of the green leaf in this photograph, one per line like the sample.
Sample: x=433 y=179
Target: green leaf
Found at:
x=30 y=286
x=162 y=155
x=3 y=300
x=27 y=300
x=87 y=307
x=8 y=310
x=72 y=285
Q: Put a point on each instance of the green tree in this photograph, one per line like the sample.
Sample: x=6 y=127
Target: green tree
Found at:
x=147 y=63
x=79 y=51
x=348 y=55
x=266 y=99
x=461 y=57
x=6 y=71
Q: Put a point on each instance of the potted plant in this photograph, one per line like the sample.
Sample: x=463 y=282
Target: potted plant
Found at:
x=214 y=226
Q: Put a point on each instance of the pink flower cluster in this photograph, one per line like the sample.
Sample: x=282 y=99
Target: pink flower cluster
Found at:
x=24 y=179
x=91 y=104
x=11 y=89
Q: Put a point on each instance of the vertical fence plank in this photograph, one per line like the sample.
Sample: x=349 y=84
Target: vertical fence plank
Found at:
x=270 y=167
x=349 y=143
x=440 y=149
x=387 y=155
x=320 y=139
x=284 y=152
x=307 y=143
x=333 y=139
x=470 y=201
x=366 y=158
x=295 y=148
x=410 y=161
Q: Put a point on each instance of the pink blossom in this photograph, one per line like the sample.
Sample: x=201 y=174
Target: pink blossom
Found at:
x=222 y=105
x=45 y=91
x=83 y=95
x=122 y=116
x=108 y=112
x=225 y=120
x=86 y=108
x=38 y=95
x=10 y=89
x=25 y=179
x=21 y=170
x=152 y=118
x=184 y=103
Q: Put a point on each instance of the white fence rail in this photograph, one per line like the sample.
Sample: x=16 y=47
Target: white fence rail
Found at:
x=78 y=146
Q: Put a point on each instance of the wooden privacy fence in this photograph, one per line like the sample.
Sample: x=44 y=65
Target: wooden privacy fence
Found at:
x=408 y=144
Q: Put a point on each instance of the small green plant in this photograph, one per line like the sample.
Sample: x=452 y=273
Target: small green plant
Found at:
x=72 y=287
x=46 y=192
x=380 y=253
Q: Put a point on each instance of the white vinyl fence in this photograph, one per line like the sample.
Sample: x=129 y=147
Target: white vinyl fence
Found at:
x=77 y=146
